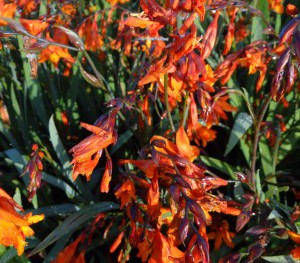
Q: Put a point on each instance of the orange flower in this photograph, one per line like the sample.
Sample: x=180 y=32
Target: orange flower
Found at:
x=89 y=30
x=296 y=238
x=87 y=153
x=4 y=113
x=145 y=247
x=14 y=228
x=184 y=147
x=296 y=253
x=163 y=251
x=114 y=2
x=34 y=27
x=71 y=254
x=126 y=192
x=222 y=234
x=253 y=56
x=69 y=9
x=276 y=5
x=27 y=6
x=54 y=54
x=7 y=10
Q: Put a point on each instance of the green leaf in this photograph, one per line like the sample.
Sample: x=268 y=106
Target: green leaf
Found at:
x=17 y=196
x=258 y=25
x=219 y=165
x=64 y=160
x=259 y=189
x=122 y=139
x=34 y=90
x=70 y=192
x=73 y=223
x=58 y=146
x=54 y=210
x=265 y=156
x=241 y=125
x=8 y=255
x=280 y=259
x=58 y=247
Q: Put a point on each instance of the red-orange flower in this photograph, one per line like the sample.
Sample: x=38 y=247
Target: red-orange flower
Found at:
x=126 y=192
x=222 y=234
x=87 y=153
x=71 y=254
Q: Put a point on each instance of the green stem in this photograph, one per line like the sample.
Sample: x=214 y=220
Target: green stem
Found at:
x=52 y=43
x=98 y=74
x=235 y=91
x=186 y=107
x=111 y=94
x=167 y=103
x=256 y=140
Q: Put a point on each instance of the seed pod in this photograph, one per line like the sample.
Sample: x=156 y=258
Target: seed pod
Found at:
x=242 y=177
x=196 y=210
x=289 y=76
x=175 y=193
x=90 y=78
x=288 y=31
x=277 y=89
x=36 y=47
x=180 y=181
x=184 y=228
x=73 y=37
x=18 y=28
x=242 y=220
x=283 y=60
x=297 y=43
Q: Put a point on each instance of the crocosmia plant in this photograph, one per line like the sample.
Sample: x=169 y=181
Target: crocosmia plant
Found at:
x=156 y=131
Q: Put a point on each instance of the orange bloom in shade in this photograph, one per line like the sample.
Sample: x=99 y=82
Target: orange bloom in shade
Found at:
x=183 y=145
x=87 y=153
x=71 y=253
x=126 y=192
x=14 y=228
x=222 y=234
x=163 y=251
x=144 y=246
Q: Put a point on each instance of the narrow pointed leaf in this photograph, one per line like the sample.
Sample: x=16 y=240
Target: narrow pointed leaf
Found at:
x=73 y=223
x=242 y=123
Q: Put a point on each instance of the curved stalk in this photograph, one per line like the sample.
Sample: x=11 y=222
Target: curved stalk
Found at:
x=256 y=140
x=167 y=103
